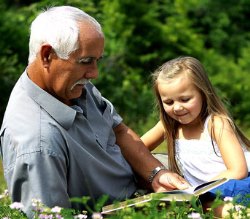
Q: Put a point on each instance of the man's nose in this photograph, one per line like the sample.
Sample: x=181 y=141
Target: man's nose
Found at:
x=92 y=72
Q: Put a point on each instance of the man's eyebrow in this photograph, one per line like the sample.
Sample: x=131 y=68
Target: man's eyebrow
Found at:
x=87 y=57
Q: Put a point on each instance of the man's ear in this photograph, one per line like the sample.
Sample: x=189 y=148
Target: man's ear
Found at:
x=46 y=53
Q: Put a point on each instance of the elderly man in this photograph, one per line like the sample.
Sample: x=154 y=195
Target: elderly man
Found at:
x=60 y=138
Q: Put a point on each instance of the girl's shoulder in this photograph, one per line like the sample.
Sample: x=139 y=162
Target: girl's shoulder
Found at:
x=219 y=122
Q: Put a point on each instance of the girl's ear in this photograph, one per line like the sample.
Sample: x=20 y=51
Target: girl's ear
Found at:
x=46 y=52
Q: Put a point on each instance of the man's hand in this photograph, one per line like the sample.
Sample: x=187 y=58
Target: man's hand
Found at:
x=167 y=181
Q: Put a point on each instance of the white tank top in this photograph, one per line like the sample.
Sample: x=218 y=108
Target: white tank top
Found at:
x=199 y=160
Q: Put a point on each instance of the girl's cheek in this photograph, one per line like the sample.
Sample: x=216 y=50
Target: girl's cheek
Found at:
x=168 y=111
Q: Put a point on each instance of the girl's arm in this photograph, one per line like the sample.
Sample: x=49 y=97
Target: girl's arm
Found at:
x=154 y=137
x=231 y=150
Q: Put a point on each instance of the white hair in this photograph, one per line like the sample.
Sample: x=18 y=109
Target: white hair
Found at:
x=58 y=27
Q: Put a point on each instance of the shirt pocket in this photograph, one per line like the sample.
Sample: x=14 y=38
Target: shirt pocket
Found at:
x=104 y=128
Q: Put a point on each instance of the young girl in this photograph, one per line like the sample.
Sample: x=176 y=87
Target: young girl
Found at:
x=203 y=141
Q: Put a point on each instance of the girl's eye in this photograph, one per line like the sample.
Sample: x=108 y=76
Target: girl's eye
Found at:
x=169 y=102
x=185 y=99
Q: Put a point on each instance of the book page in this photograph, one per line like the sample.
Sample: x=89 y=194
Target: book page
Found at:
x=189 y=190
x=174 y=195
x=200 y=189
x=205 y=187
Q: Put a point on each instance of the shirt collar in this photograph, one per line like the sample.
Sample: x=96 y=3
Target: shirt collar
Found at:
x=62 y=113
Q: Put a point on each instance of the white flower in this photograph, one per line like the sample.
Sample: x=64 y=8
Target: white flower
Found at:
x=228 y=199
x=37 y=205
x=56 y=209
x=36 y=202
x=239 y=207
x=97 y=215
x=58 y=216
x=80 y=216
x=5 y=194
x=194 y=215
x=17 y=205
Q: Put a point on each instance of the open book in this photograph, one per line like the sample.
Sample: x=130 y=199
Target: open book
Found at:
x=174 y=195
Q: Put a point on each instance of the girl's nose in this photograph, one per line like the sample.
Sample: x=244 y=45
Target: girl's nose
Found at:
x=178 y=107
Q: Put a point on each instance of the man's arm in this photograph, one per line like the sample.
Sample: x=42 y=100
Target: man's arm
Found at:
x=38 y=176
x=143 y=162
x=34 y=171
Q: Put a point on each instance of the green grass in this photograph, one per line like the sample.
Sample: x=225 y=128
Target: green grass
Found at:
x=2 y=181
x=151 y=210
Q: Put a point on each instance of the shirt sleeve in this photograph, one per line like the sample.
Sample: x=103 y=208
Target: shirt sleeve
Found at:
x=36 y=173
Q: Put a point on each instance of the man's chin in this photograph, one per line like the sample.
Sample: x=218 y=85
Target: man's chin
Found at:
x=77 y=91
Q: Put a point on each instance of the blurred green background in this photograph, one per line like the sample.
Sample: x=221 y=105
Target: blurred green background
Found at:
x=140 y=36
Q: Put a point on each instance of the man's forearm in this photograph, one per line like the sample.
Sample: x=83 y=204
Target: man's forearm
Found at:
x=135 y=151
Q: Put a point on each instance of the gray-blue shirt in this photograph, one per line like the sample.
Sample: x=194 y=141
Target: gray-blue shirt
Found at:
x=54 y=152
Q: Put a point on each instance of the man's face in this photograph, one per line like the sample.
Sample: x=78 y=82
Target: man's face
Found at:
x=66 y=78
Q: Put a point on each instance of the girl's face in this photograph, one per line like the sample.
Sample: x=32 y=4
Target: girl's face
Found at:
x=181 y=100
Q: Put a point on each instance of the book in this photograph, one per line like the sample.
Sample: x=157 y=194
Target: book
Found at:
x=174 y=195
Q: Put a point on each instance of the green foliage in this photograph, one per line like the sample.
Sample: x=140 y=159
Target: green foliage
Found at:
x=140 y=36
x=13 y=49
x=152 y=210
x=2 y=181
